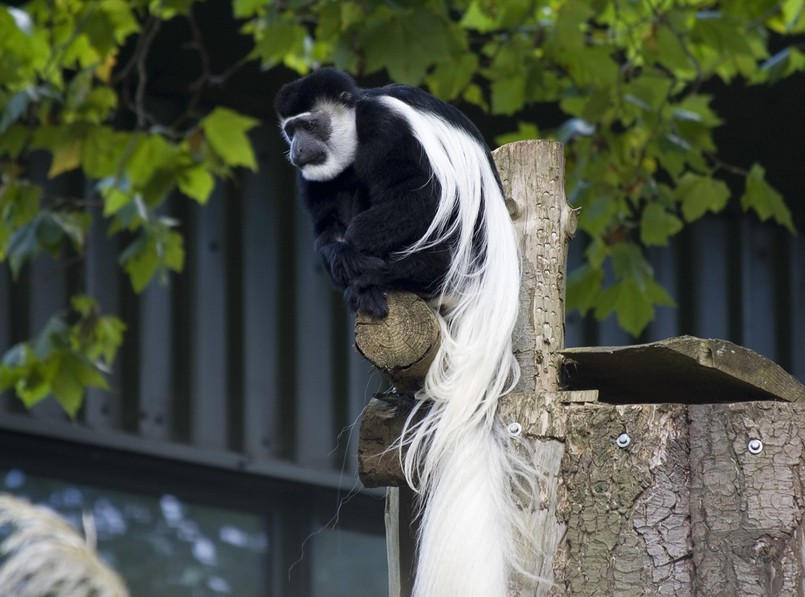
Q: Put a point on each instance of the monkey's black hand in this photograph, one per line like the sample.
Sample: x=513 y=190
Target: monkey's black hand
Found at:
x=369 y=299
x=345 y=264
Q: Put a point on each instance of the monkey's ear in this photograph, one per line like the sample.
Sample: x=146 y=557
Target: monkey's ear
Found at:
x=347 y=98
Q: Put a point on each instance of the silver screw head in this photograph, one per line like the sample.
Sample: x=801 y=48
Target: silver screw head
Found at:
x=623 y=440
x=754 y=445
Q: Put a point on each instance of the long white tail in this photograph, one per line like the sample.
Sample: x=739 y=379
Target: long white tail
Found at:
x=456 y=455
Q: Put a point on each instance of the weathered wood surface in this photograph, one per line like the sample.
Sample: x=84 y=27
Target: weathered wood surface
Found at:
x=378 y=457
x=625 y=509
x=747 y=508
x=400 y=540
x=533 y=178
x=683 y=369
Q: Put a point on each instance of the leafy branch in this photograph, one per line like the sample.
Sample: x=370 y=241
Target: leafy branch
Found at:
x=63 y=92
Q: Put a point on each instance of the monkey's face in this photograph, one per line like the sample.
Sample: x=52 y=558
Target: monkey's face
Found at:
x=323 y=141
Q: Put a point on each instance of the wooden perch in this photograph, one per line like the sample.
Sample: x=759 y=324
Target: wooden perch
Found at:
x=403 y=345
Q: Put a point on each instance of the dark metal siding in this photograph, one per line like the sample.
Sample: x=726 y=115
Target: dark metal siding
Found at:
x=246 y=362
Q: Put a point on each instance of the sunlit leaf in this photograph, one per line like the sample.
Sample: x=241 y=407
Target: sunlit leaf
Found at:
x=196 y=182
x=657 y=225
x=405 y=44
x=764 y=200
x=226 y=133
x=700 y=194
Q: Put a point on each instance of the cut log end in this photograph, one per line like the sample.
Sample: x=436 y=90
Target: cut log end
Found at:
x=403 y=344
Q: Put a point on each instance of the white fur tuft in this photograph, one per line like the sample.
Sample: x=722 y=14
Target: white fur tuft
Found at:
x=457 y=457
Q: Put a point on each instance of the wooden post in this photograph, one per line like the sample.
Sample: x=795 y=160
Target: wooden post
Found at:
x=533 y=178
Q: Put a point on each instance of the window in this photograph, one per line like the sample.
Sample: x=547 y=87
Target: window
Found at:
x=181 y=530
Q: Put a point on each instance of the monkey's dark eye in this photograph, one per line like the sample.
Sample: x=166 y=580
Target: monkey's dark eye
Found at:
x=309 y=125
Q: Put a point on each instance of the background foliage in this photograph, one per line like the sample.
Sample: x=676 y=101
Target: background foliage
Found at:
x=627 y=77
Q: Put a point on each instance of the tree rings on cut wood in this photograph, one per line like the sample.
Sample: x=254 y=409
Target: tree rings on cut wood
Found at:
x=403 y=344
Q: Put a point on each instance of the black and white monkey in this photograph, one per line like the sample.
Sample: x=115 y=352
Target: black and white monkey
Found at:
x=403 y=194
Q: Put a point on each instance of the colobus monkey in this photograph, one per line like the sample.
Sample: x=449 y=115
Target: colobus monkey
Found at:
x=403 y=194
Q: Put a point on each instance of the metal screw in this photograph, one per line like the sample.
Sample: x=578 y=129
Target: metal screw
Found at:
x=515 y=429
x=623 y=440
x=754 y=445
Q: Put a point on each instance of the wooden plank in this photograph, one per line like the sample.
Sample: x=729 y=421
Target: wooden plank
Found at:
x=684 y=369
x=400 y=540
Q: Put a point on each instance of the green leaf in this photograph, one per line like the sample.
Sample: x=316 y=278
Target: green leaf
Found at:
x=66 y=142
x=634 y=294
x=508 y=95
x=696 y=108
x=761 y=197
x=98 y=104
x=155 y=251
x=351 y=13
x=243 y=9
x=672 y=54
x=783 y=64
x=141 y=261
x=226 y=133
x=12 y=141
x=108 y=23
x=23 y=246
x=66 y=385
x=108 y=338
x=54 y=337
x=103 y=150
x=700 y=194
x=633 y=308
x=657 y=225
x=74 y=225
x=278 y=40
x=196 y=182
x=583 y=288
x=19 y=204
x=405 y=43
x=151 y=154
x=450 y=78
x=475 y=18
x=14 y=109
x=116 y=193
